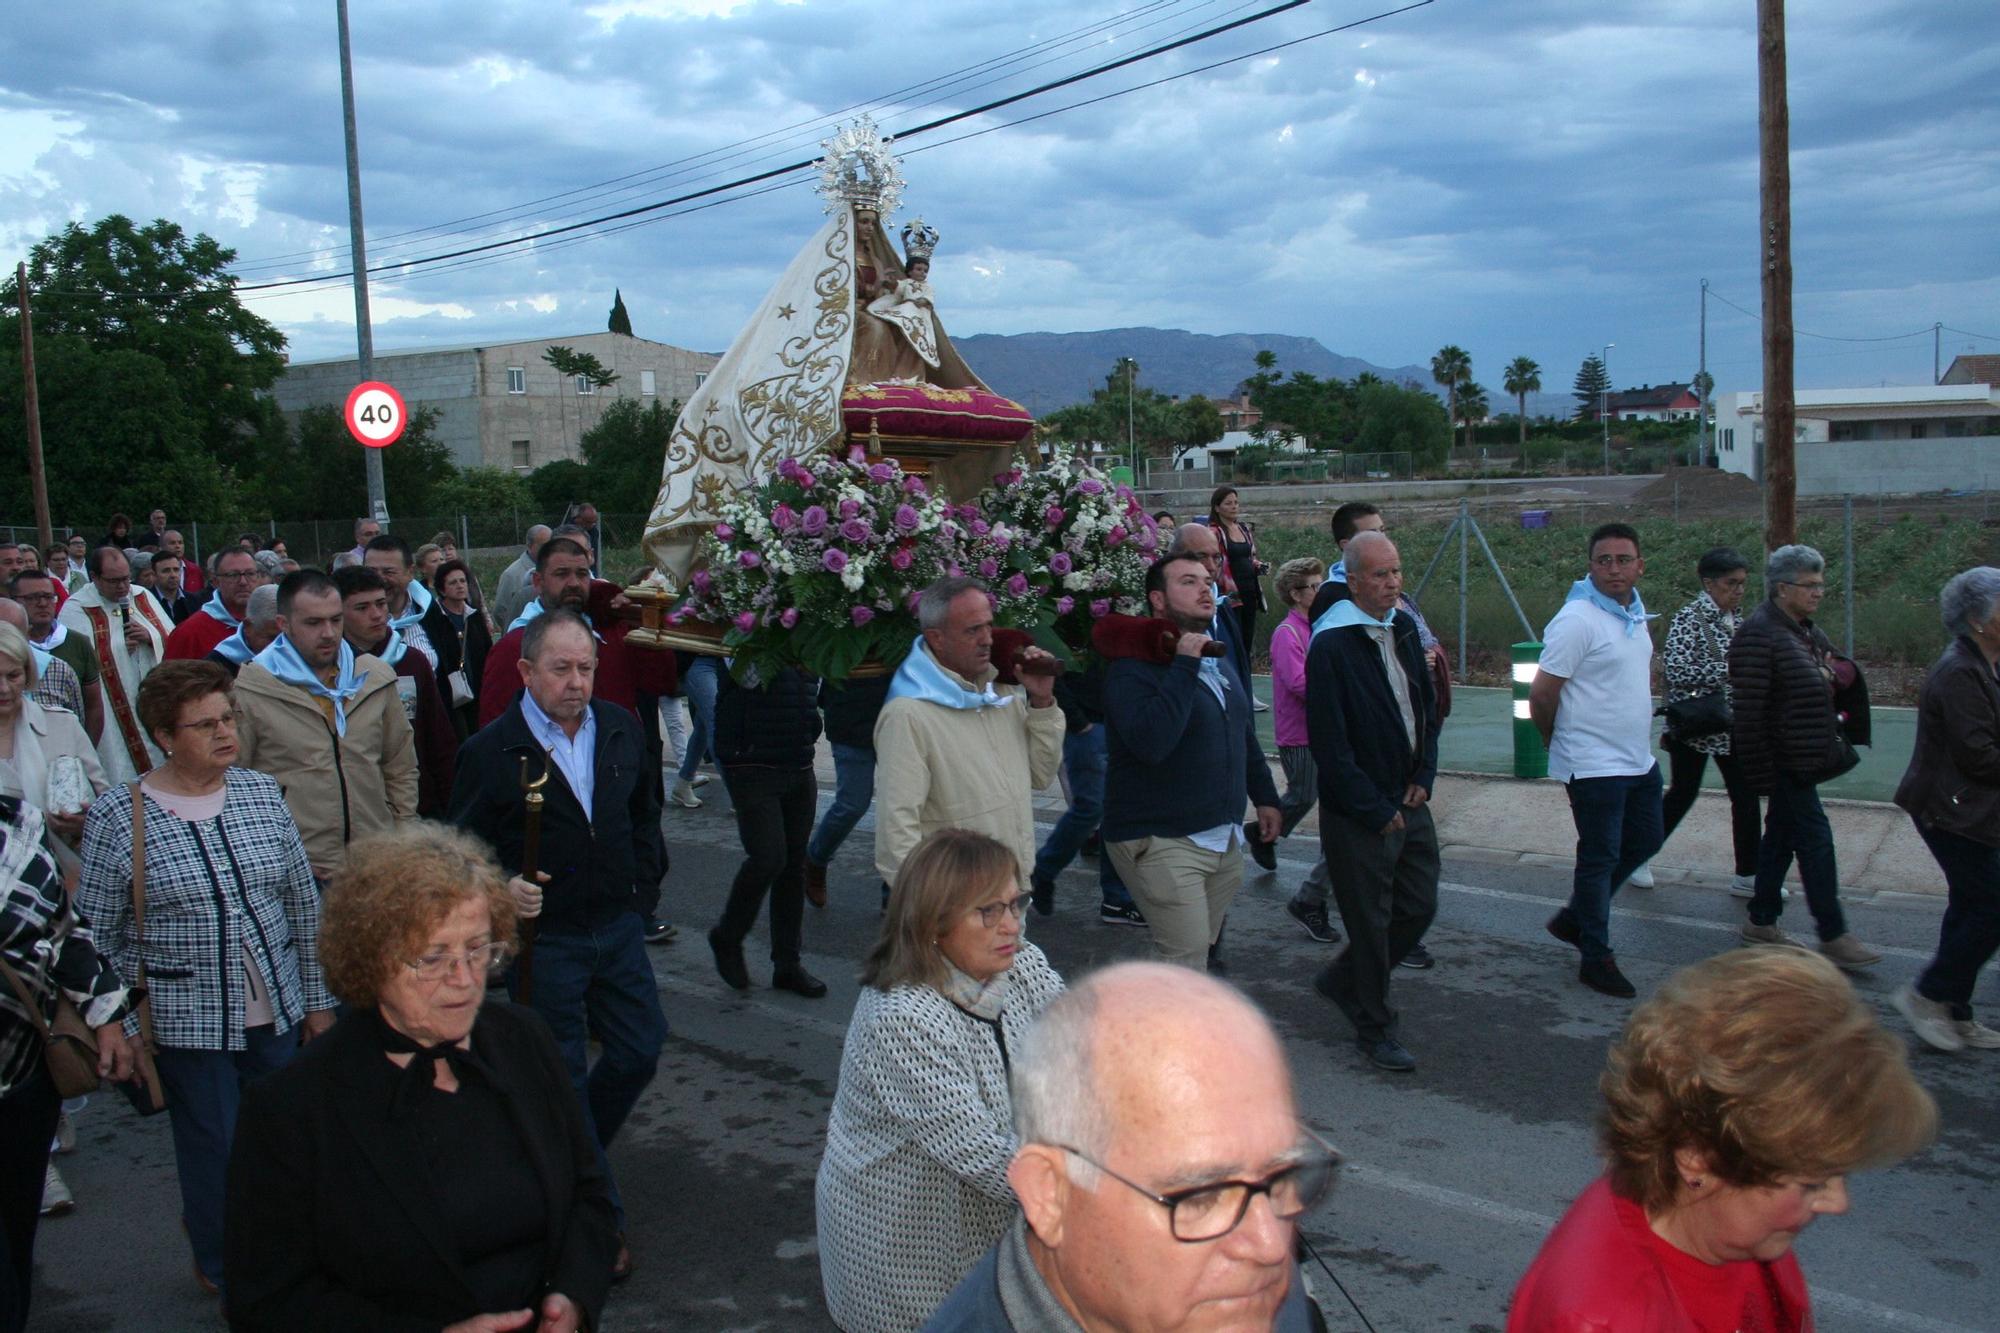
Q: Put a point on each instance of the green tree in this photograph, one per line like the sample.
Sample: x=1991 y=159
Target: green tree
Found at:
x=620 y=321
x=573 y=367
x=1158 y=425
x=1593 y=381
x=1401 y=418
x=483 y=490
x=1521 y=378
x=320 y=472
x=555 y=486
x=623 y=453
x=1319 y=412
x=1451 y=367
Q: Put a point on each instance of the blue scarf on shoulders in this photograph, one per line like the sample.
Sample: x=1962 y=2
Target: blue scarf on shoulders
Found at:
x=535 y=608
x=1338 y=574
x=282 y=660
x=393 y=648
x=1346 y=612
x=920 y=677
x=1634 y=617
x=214 y=607
x=235 y=649
x=420 y=602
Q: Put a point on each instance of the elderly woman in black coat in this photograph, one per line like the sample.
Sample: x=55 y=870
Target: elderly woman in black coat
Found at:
x=1952 y=791
x=1787 y=736
x=425 y=1164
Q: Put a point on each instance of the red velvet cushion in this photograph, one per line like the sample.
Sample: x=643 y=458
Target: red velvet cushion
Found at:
x=924 y=411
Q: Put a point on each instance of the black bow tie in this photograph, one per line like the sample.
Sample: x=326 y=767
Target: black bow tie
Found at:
x=421 y=1072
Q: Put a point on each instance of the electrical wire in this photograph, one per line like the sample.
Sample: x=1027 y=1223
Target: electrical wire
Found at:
x=1823 y=337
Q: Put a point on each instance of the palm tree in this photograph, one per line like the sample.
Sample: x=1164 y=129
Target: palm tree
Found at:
x=1472 y=406
x=1522 y=378
x=1451 y=367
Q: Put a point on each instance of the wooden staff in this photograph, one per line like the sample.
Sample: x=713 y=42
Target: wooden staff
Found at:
x=531 y=852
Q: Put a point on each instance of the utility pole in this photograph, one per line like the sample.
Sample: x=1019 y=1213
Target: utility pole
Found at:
x=1937 y=340
x=1131 y=447
x=1701 y=386
x=1774 y=132
x=31 y=399
x=1604 y=406
x=378 y=503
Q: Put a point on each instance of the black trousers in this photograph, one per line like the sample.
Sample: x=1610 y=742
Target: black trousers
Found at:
x=1745 y=821
x=1387 y=892
x=774 y=818
x=27 y=1123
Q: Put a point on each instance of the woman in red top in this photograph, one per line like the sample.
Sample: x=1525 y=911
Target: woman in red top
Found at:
x=1735 y=1105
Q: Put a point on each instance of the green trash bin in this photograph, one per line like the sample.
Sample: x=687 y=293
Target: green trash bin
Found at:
x=1531 y=757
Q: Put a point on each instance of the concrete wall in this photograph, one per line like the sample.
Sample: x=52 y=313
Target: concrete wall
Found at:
x=1911 y=467
x=445 y=380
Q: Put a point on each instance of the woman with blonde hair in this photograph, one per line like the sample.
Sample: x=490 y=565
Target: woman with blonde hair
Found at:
x=913 y=1187
x=1736 y=1104
x=46 y=757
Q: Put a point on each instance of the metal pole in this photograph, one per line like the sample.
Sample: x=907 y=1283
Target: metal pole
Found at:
x=1131 y=446
x=1430 y=569
x=31 y=401
x=1847 y=567
x=1501 y=574
x=1464 y=522
x=1701 y=383
x=1937 y=339
x=1604 y=406
x=378 y=503
x=1775 y=190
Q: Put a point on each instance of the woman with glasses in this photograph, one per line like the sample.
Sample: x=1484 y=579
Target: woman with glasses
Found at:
x=913 y=1187
x=231 y=947
x=1789 y=734
x=424 y=1165
x=1736 y=1104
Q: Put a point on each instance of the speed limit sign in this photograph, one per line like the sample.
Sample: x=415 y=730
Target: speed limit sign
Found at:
x=375 y=414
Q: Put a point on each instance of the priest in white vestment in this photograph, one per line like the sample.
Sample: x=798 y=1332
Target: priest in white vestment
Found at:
x=127 y=629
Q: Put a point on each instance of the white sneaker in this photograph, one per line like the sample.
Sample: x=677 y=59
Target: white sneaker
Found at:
x=56 y=1198
x=1745 y=886
x=698 y=780
x=1976 y=1034
x=1642 y=878
x=1931 y=1021
x=683 y=795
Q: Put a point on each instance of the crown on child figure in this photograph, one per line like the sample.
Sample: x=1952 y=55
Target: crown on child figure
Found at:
x=918 y=242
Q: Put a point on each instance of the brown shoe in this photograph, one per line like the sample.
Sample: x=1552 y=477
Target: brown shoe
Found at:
x=1849 y=954
x=815 y=883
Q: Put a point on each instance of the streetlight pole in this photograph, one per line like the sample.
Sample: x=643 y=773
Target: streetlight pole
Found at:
x=1131 y=447
x=1604 y=406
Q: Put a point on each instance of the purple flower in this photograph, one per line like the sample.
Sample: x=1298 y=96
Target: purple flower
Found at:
x=967 y=512
x=954 y=570
x=783 y=517
x=856 y=531
x=1149 y=540
x=857 y=455
x=1002 y=540
x=910 y=602
x=1100 y=609
x=880 y=472
x=790 y=617
x=989 y=568
x=1115 y=536
x=1017 y=586
x=906 y=518
x=861 y=615
x=1091 y=486
x=1053 y=516
x=1065 y=604
x=746 y=621
x=699 y=580
x=849 y=508
x=980 y=527
x=914 y=485
x=1059 y=563
x=902 y=558
x=723 y=532
x=790 y=470
x=834 y=560
x=749 y=559
x=813 y=521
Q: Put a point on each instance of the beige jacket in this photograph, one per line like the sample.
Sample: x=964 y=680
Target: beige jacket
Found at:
x=971 y=768
x=339 y=788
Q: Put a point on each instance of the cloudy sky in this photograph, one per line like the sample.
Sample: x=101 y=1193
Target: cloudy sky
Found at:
x=1537 y=177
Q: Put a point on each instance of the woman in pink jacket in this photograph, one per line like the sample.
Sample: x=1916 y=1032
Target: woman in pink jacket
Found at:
x=1298 y=580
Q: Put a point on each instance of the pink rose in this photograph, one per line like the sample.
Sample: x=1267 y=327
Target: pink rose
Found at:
x=980 y=527
x=699 y=580
x=790 y=617
x=989 y=568
x=880 y=472
x=1100 y=609
x=914 y=485
x=1053 y=516
x=856 y=531
x=849 y=508
x=1017 y=586
x=746 y=621
x=749 y=559
x=723 y=532
x=783 y=517
x=790 y=470
x=1065 y=604
x=906 y=518
x=1115 y=536
x=1090 y=486
x=834 y=560
x=902 y=558
x=1059 y=563
x=813 y=523
x=861 y=615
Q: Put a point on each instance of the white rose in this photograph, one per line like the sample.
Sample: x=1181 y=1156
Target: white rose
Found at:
x=853 y=577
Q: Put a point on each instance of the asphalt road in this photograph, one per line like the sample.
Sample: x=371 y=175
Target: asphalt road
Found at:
x=1456 y=1171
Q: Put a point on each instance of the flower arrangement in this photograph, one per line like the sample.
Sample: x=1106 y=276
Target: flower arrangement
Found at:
x=1080 y=542
x=819 y=565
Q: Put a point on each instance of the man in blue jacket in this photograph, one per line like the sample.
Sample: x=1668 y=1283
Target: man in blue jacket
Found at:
x=1182 y=753
x=1372 y=722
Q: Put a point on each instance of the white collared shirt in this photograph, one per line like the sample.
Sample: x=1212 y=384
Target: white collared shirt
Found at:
x=575 y=755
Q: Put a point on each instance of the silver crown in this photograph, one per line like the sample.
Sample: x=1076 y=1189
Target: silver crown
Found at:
x=859 y=171
x=918 y=242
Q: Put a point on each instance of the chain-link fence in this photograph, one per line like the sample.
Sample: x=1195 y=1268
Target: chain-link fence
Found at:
x=1161 y=474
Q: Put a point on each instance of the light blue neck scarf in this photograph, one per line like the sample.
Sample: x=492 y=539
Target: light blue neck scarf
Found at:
x=1634 y=617
x=1338 y=574
x=1346 y=612
x=282 y=660
x=393 y=650
x=920 y=677
x=535 y=608
x=234 y=648
x=420 y=602
x=214 y=607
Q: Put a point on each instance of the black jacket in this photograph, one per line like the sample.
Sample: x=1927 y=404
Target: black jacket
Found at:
x=1953 y=782
x=597 y=867
x=1783 y=716
x=1363 y=756
x=333 y=1223
x=851 y=709
x=457 y=650
x=773 y=726
x=1177 y=762
x=1080 y=694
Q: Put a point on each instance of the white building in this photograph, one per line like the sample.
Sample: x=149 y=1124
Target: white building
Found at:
x=1892 y=441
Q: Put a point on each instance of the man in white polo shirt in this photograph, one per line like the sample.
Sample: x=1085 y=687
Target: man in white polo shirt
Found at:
x=1593 y=703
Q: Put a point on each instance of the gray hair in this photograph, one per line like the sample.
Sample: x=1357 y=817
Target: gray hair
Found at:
x=1181 y=545
x=269 y=563
x=346 y=560
x=1054 y=1081
x=139 y=560
x=263 y=608
x=934 y=602
x=14 y=644
x=546 y=624
x=1785 y=564
x=1361 y=543
x=1970 y=599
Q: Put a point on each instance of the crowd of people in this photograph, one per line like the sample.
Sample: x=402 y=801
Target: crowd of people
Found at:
x=348 y=870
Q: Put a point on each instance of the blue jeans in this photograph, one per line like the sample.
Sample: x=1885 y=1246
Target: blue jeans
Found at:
x=599 y=983
x=853 y=793
x=1084 y=762
x=204 y=1090
x=1970 y=933
x=698 y=686
x=1618 y=828
x=1795 y=825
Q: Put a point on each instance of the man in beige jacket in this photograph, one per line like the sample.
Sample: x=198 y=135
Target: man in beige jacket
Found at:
x=952 y=750
x=327 y=724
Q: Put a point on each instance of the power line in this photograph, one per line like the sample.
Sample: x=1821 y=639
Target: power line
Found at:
x=1968 y=333
x=1823 y=337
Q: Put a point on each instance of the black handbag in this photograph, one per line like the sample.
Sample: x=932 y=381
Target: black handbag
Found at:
x=1698 y=717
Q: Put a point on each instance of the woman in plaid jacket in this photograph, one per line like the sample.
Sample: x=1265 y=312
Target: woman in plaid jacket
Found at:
x=231 y=945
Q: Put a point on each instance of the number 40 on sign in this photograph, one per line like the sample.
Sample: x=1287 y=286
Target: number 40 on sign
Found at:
x=375 y=414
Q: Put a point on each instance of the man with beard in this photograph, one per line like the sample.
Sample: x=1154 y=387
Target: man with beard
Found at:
x=365 y=624
x=222 y=614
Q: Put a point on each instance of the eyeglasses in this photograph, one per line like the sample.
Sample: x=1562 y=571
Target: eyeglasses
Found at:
x=991 y=914
x=1810 y=589
x=1210 y=1212
x=435 y=967
x=34 y=597
x=1614 y=561
x=221 y=576
x=208 y=726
